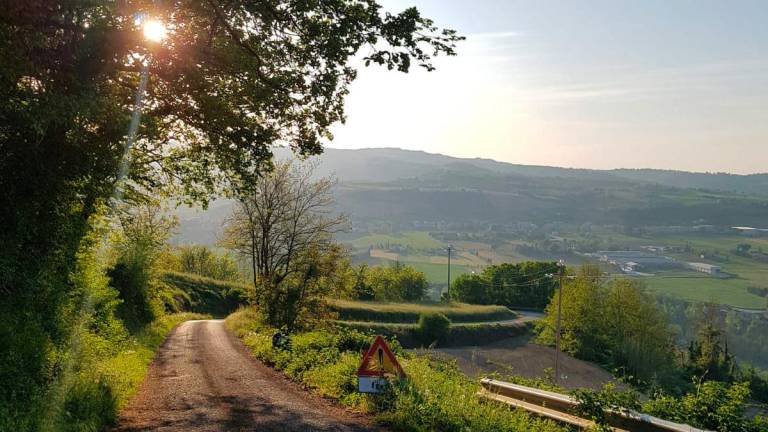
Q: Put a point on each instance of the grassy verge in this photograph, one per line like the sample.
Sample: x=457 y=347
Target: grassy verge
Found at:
x=109 y=371
x=205 y=295
x=435 y=396
x=349 y=310
x=465 y=334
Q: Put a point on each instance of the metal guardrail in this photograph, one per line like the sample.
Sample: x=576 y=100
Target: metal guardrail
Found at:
x=559 y=407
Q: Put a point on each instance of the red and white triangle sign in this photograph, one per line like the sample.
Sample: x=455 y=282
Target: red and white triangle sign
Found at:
x=380 y=361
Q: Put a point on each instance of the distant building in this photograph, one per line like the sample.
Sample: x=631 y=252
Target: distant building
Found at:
x=632 y=261
x=751 y=232
x=705 y=268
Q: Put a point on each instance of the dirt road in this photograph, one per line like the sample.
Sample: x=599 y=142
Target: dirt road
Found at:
x=203 y=379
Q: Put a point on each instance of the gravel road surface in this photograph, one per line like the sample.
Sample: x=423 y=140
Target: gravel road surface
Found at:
x=203 y=379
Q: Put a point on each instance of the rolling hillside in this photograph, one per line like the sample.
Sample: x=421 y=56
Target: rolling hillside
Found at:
x=400 y=187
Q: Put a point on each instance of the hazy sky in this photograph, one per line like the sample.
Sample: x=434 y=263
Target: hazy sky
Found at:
x=581 y=83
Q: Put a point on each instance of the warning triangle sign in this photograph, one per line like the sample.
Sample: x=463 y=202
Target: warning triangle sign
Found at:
x=379 y=361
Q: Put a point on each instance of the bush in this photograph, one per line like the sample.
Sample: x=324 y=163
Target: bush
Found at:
x=714 y=405
x=434 y=328
x=397 y=283
x=88 y=406
x=435 y=396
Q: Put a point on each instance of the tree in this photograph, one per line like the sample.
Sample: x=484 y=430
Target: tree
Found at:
x=615 y=323
x=742 y=249
x=397 y=282
x=232 y=80
x=201 y=260
x=469 y=288
x=526 y=284
x=361 y=290
x=281 y=226
x=708 y=355
x=141 y=237
x=640 y=343
x=582 y=316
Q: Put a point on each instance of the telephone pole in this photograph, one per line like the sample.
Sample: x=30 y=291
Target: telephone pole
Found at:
x=561 y=273
x=449 y=273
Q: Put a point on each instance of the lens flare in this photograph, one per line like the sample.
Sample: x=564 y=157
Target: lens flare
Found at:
x=154 y=31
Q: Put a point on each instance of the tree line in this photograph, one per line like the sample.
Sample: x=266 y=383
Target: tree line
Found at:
x=529 y=284
x=616 y=323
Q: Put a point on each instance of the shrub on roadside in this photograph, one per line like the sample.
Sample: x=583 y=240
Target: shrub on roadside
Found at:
x=108 y=373
x=435 y=396
x=434 y=328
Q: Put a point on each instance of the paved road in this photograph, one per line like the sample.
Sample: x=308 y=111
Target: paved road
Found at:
x=203 y=379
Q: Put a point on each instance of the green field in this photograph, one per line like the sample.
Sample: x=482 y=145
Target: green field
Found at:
x=692 y=286
x=689 y=286
x=438 y=273
x=349 y=310
x=417 y=240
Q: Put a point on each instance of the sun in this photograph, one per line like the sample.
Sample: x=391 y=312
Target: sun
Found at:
x=154 y=31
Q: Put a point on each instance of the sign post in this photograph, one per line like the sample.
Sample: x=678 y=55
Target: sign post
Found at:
x=378 y=363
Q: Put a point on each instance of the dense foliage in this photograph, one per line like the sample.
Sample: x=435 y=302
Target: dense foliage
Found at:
x=435 y=397
x=221 y=93
x=711 y=406
x=746 y=332
x=529 y=284
x=616 y=324
x=203 y=261
x=398 y=282
x=283 y=225
x=189 y=292
x=433 y=328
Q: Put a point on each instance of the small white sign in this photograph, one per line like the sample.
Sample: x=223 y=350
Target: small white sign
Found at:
x=371 y=384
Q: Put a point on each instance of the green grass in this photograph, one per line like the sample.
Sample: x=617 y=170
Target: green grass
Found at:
x=692 y=287
x=459 y=334
x=435 y=396
x=438 y=273
x=108 y=373
x=195 y=293
x=698 y=287
x=409 y=312
x=417 y=240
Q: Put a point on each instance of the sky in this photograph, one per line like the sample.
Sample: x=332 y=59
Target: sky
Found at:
x=669 y=84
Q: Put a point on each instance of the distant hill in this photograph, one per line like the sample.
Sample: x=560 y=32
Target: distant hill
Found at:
x=387 y=164
x=400 y=187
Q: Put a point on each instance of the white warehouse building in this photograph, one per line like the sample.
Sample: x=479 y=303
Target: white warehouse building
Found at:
x=705 y=268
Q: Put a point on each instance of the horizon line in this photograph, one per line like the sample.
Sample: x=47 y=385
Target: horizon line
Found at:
x=759 y=173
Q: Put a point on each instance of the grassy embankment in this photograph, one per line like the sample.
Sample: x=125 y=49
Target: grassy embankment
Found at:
x=108 y=363
x=436 y=396
x=350 y=310
x=470 y=324
x=205 y=295
x=109 y=370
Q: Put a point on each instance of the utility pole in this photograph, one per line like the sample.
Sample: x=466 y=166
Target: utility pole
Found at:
x=449 y=272
x=561 y=274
